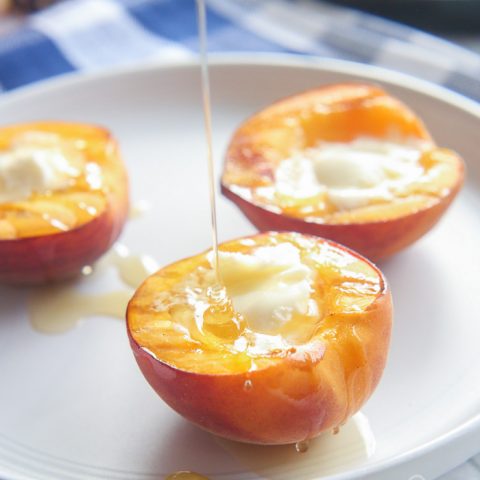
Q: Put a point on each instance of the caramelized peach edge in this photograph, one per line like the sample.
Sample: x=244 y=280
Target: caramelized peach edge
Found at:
x=303 y=98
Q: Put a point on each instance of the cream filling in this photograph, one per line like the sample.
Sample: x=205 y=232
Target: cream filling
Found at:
x=351 y=175
x=269 y=286
x=36 y=163
x=265 y=290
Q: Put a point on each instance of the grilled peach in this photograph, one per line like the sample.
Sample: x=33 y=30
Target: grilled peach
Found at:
x=252 y=364
x=346 y=162
x=63 y=199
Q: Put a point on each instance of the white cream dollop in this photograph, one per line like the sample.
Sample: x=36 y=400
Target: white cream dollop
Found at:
x=269 y=286
x=351 y=174
x=35 y=163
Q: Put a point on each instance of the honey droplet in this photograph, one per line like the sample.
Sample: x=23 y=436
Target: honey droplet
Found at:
x=248 y=385
x=186 y=476
x=302 y=447
x=87 y=270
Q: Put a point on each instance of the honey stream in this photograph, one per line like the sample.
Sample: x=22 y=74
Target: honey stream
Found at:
x=207 y=113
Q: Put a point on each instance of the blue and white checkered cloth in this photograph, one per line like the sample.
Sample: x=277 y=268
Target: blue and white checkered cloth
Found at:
x=94 y=34
x=98 y=34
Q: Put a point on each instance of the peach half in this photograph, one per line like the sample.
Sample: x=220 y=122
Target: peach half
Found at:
x=49 y=234
x=227 y=365
x=346 y=162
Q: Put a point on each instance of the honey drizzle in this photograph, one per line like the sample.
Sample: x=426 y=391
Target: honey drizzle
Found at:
x=207 y=113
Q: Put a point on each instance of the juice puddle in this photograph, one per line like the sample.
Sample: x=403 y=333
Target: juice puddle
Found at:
x=59 y=308
x=132 y=269
x=326 y=455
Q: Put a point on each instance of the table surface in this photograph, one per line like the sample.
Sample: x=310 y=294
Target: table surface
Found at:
x=468 y=41
x=472 y=42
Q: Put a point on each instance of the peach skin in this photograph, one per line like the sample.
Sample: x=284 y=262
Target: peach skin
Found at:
x=49 y=235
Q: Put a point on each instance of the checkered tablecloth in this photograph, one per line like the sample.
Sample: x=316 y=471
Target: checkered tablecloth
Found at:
x=97 y=34
x=94 y=34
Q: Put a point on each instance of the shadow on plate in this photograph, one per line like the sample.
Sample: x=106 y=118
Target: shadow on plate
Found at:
x=195 y=450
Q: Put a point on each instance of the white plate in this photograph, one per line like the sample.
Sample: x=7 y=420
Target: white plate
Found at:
x=75 y=406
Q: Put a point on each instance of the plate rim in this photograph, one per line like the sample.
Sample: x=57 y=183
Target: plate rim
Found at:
x=451 y=438
x=290 y=60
